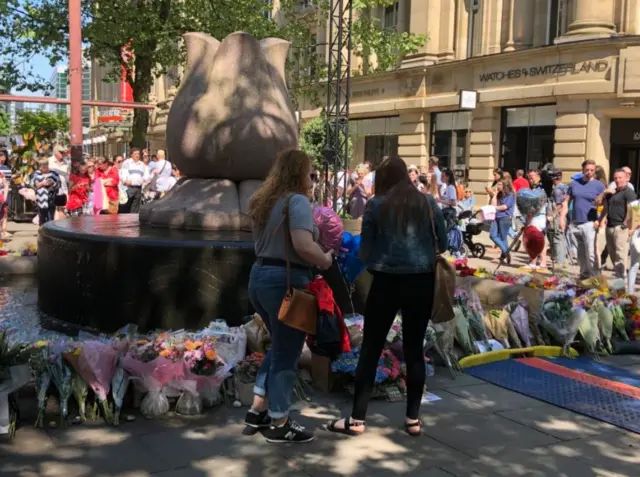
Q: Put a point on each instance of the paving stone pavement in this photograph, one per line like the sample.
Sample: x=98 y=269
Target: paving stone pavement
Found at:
x=475 y=430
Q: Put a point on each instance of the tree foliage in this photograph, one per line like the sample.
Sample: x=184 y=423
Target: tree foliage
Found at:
x=152 y=30
x=42 y=125
x=312 y=139
x=5 y=123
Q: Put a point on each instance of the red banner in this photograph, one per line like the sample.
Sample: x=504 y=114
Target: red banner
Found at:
x=126 y=92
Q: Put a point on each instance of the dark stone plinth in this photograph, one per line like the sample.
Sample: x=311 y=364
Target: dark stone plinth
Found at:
x=107 y=271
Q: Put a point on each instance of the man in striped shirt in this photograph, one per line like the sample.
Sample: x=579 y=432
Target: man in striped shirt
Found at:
x=46 y=183
x=134 y=173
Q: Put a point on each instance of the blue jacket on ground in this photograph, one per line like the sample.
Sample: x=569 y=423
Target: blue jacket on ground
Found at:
x=383 y=250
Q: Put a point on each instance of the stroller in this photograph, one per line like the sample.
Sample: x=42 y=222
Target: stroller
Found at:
x=472 y=226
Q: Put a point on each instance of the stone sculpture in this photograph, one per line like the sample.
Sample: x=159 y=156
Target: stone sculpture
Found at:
x=228 y=121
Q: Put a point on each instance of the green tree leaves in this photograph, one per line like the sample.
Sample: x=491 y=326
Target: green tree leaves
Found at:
x=152 y=30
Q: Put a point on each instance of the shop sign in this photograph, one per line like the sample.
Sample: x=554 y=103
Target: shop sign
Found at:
x=560 y=69
x=367 y=93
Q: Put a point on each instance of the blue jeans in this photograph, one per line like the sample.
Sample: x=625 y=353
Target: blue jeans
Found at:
x=277 y=375
x=500 y=231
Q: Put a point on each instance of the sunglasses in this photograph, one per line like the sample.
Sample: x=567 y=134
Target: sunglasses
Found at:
x=313 y=176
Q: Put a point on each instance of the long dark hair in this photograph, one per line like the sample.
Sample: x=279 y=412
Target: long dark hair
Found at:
x=404 y=204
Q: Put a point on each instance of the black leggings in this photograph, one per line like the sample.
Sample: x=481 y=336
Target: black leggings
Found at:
x=412 y=294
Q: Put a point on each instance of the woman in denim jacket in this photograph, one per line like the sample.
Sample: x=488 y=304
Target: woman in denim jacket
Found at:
x=398 y=247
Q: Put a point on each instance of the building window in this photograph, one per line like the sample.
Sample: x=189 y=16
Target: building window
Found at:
x=449 y=133
x=268 y=9
x=373 y=139
x=528 y=137
x=390 y=20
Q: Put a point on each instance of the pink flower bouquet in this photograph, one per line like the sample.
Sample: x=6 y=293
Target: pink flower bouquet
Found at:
x=154 y=371
x=95 y=362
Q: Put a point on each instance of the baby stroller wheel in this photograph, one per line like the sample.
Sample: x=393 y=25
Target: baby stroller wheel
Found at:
x=478 y=250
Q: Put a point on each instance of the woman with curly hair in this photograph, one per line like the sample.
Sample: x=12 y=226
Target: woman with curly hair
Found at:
x=284 y=195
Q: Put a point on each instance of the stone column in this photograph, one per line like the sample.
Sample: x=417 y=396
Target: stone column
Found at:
x=570 y=147
x=413 y=138
x=424 y=19
x=484 y=149
x=510 y=45
x=592 y=17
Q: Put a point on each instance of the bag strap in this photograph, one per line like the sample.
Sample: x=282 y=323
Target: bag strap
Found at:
x=433 y=227
x=287 y=238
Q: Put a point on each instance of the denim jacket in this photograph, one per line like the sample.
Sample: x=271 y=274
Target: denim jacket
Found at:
x=382 y=250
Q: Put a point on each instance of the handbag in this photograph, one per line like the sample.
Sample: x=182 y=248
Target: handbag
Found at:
x=445 y=286
x=299 y=308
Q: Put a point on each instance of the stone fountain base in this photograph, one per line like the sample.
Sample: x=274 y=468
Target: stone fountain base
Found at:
x=107 y=271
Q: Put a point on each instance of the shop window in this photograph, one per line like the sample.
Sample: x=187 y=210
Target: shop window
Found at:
x=376 y=148
x=528 y=137
x=449 y=133
x=557 y=18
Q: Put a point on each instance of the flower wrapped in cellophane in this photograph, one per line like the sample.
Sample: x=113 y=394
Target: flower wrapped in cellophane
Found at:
x=61 y=375
x=154 y=364
x=95 y=362
x=204 y=373
x=42 y=379
x=80 y=391
x=561 y=319
x=589 y=332
x=520 y=319
x=605 y=325
x=462 y=331
x=619 y=321
x=119 y=385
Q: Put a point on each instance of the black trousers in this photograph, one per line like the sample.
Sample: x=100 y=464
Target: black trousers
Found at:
x=135 y=199
x=46 y=215
x=412 y=294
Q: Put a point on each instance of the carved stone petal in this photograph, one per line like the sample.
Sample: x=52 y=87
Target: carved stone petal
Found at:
x=198 y=204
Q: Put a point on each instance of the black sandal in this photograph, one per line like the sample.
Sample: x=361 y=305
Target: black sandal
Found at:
x=409 y=426
x=347 y=431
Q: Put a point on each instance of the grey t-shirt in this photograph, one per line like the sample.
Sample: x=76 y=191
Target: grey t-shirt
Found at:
x=269 y=242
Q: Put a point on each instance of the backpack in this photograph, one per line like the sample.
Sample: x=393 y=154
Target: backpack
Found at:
x=460 y=192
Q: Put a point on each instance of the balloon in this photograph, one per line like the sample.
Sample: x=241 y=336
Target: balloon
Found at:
x=533 y=241
x=330 y=227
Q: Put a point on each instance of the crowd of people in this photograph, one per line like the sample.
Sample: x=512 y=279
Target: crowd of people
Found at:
x=95 y=185
x=584 y=221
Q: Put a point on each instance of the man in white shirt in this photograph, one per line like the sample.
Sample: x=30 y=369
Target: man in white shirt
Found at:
x=60 y=164
x=162 y=169
x=134 y=174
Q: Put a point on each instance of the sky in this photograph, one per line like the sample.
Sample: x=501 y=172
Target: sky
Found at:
x=41 y=67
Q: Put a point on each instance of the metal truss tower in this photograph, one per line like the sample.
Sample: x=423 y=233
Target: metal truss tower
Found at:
x=336 y=147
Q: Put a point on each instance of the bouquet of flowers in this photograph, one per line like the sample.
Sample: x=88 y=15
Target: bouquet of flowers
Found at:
x=520 y=320
x=61 y=376
x=204 y=373
x=95 y=362
x=13 y=375
x=588 y=329
x=42 y=380
x=80 y=390
x=154 y=364
x=561 y=319
x=247 y=370
x=119 y=385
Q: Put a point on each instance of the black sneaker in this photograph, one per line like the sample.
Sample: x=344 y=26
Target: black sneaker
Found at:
x=257 y=420
x=290 y=432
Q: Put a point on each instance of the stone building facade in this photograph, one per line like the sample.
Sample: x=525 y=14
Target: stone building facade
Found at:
x=556 y=81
